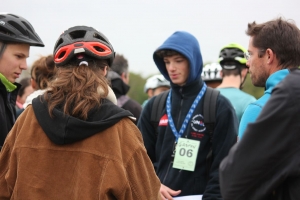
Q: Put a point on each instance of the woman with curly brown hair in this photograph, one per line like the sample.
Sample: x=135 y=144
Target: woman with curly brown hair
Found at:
x=73 y=142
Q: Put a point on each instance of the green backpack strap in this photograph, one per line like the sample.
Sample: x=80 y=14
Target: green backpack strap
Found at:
x=209 y=113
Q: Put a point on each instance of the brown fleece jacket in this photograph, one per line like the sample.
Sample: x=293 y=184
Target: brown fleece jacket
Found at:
x=112 y=164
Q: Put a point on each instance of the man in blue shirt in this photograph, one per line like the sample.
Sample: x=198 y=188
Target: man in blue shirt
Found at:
x=273 y=49
x=265 y=163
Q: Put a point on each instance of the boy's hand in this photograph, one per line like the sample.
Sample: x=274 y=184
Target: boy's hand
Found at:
x=167 y=193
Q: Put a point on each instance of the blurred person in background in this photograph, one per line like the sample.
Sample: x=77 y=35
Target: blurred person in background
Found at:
x=211 y=75
x=43 y=71
x=16 y=37
x=234 y=73
x=119 y=78
x=155 y=85
x=24 y=91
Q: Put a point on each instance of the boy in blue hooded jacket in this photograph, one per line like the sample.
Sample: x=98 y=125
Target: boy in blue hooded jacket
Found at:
x=179 y=148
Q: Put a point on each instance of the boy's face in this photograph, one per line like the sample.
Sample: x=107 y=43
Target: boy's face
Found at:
x=13 y=61
x=178 y=69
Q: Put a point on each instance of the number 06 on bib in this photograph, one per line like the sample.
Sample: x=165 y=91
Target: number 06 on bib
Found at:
x=186 y=154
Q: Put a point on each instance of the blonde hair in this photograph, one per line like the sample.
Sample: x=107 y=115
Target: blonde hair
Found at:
x=76 y=89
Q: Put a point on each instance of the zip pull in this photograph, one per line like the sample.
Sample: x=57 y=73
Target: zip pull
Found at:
x=174 y=150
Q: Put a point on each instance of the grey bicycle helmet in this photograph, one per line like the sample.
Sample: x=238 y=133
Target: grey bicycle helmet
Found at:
x=82 y=40
x=16 y=29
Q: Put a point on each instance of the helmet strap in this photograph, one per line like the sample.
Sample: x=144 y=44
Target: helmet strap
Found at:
x=242 y=81
x=2 y=48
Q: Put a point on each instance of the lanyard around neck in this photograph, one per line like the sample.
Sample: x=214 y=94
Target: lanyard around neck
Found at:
x=188 y=116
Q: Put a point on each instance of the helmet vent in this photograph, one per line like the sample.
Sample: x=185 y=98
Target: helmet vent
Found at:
x=5 y=31
x=99 y=37
x=18 y=27
x=99 y=49
x=62 y=54
x=28 y=26
x=59 y=42
x=77 y=34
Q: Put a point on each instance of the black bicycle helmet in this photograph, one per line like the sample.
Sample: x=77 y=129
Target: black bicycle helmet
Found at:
x=16 y=29
x=82 y=41
x=234 y=54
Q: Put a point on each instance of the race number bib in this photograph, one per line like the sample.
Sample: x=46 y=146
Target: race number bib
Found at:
x=186 y=154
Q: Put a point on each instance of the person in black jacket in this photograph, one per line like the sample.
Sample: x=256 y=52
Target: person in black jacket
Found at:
x=179 y=149
x=119 y=78
x=265 y=163
x=16 y=37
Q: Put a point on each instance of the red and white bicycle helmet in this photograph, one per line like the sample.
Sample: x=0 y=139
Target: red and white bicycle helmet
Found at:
x=82 y=40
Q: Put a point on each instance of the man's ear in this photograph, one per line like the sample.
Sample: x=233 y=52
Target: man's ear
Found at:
x=150 y=93
x=125 y=77
x=244 y=72
x=270 y=56
x=221 y=73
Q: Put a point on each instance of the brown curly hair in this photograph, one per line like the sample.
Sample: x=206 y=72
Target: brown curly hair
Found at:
x=78 y=89
x=43 y=71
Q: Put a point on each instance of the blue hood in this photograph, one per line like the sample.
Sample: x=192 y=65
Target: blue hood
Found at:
x=187 y=45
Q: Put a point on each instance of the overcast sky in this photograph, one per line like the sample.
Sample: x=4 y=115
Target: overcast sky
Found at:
x=137 y=27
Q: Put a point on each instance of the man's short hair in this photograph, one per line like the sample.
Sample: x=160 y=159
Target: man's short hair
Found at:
x=120 y=65
x=234 y=72
x=281 y=36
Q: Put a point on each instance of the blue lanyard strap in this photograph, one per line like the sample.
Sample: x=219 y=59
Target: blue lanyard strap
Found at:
x=188 y=116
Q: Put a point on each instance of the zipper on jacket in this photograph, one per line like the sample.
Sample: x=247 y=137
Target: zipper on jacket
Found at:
x=181 y=103
x=167 y=172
